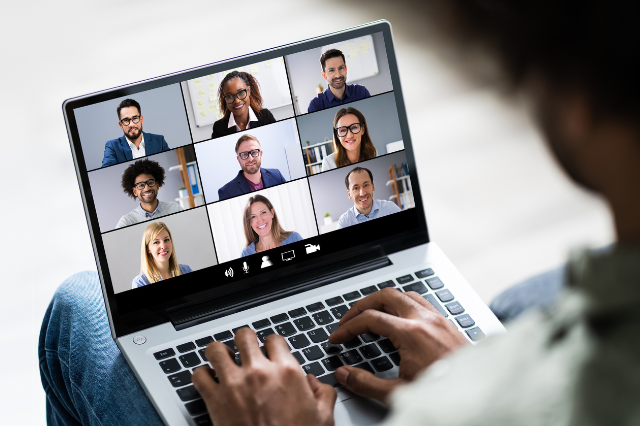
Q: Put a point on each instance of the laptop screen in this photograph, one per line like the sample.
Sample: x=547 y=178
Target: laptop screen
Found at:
x=204 y=179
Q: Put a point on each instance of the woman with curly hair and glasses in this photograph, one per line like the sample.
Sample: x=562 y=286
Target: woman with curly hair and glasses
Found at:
x=158 y=257
x=240 y=101
x=351 y=140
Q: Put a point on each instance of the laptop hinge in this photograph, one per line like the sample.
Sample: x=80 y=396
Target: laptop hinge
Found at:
x=318 y=276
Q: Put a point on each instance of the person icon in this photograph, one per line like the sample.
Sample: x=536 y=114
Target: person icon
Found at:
x=266 y=262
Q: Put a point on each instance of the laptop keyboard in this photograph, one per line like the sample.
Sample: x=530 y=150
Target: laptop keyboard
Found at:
x=307 y=331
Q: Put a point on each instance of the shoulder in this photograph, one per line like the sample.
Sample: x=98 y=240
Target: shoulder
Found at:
x=315 y=103
x=220 y=127
x=343 y=220
x=388 y=205
x=129 y=219
x=248 y=250
x=329 y=162
x=265 y=116
x=113 y=143
x=292 y=238
x=185 y=269
x=139 y=281
x=360 y=89
x=151 y=136
x=274 y=172
x=170 y=206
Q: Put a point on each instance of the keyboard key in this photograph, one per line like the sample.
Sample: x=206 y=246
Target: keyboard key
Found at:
x=475 y=334
x=353 y=343
x=261 y=324
x=368 y=290
x=339 y=311
x=190 y=360
x=279 y=318
x=369 y=337
x=235 y=330
x=304 y=323
x=318 y=335
x=313 y=353
x=432 y=299
x=170 y=366
x=186 y=347
x=332 y=327
x=329 y=379
x=395 y=357
x=262 y=334
x=386 y=284
x=334 y=301
x=299 y=357
x=331 y=348
x=232 y=345
x=352 y=296
x=314 y=368
x=365 y=366
x=418 y=287
x=164 y=354
x=382 y=364
x=188 y=393
x=196 y=407
x=297 y=312
x=285 y=329
x=435 y=283
x=204 y=341
x=315 y=307
x=322 y=318
x=424 y=273
x=387 y=346
x=203 y=421
x=444 y=295
x=454 y=308
x=202 y=355
x=351 y=357
x=225 y=335
x=332 y=363
x=300 y=341
x=352 y=303
x=181 y=379
x=465 y=321
x=404 y=279
x=370 y=351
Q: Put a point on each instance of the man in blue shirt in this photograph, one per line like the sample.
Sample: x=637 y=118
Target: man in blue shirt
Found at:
x=359 y=182
x=338 y=92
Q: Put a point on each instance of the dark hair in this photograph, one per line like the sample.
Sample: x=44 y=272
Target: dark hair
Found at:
x=129 y=103
x=355 y=170
x=255 y=101
x=331 y=53
x=367 y=150
x=138 y=168
x=246 y=137
x=590 y=44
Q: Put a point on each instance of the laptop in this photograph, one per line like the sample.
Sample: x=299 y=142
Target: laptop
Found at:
x=272 y=191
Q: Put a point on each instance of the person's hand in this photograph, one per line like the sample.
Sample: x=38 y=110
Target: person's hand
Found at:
x=262 y=391
x=421 y=334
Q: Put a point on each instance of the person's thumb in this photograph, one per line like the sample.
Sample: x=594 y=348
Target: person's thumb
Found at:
x=325 y=398
x=366 y=384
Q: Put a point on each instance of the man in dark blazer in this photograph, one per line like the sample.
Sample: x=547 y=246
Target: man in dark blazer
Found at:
x=252 y=177
x=134 y=143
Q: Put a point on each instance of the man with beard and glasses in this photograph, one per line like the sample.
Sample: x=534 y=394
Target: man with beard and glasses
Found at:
x=252 y=177
x=338 y=92
x=134 y=143
x=142 y=180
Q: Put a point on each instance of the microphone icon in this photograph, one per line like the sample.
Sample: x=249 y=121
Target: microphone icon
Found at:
x=245 y=267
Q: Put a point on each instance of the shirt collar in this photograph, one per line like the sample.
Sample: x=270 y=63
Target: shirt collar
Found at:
x=375 y=207
x=331 y=96
x=252 y=117
x=145 y=213
x=131 y=144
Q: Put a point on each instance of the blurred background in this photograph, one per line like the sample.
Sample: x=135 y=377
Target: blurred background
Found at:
x=496 y=203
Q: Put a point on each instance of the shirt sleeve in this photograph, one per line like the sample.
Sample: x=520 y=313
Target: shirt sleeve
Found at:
x=139 y=281
x=109 y=157
x=313 y=106
x=342 y=221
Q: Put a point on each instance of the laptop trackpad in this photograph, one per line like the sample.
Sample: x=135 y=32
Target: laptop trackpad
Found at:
x=356 y=410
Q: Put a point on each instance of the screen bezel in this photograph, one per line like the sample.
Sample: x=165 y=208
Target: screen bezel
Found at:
x=147 y=306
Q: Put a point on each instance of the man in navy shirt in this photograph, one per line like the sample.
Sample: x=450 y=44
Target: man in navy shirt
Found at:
x=334 y=71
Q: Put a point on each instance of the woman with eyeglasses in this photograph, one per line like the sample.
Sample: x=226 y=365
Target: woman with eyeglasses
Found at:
x=262 y=229
x=240 y=101
x=158 y=257
x=351 y=140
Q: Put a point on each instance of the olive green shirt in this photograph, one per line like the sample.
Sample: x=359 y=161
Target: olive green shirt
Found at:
x=577 y=363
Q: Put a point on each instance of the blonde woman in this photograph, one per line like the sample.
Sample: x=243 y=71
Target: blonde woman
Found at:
x=262 y=229
x=158 y=257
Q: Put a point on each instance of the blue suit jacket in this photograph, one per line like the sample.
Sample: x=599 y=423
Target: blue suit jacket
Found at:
x=239 y=185
x=118 y=151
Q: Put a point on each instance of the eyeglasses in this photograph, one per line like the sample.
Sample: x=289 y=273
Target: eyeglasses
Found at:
x=245 y=155
x=127 y=121
x=240 y=95
x=354 y=128
x=140 y=185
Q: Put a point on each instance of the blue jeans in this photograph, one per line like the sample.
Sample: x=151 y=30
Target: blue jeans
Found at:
x=88 y=382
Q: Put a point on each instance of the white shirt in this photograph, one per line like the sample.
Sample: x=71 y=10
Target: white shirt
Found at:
x=252 y=117
x=137 y=153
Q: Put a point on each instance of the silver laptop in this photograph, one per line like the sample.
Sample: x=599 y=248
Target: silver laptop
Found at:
x=272 y=191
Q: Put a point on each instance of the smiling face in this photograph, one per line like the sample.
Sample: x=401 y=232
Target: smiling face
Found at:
x=133 y=130
x=261 y=218
x=145 y=195
x=335 y=72
x=237 y=107
x=350 y=142
x=361 y=191
x=252 y=164
x=161 y=248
